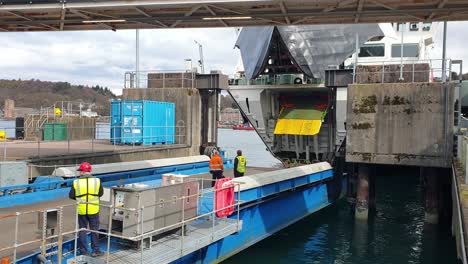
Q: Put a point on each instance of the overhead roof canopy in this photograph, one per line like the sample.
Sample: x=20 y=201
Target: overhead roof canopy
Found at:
x=51 y=15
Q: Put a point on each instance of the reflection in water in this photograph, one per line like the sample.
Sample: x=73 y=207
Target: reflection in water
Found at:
x=395 y=234
x=359 y=239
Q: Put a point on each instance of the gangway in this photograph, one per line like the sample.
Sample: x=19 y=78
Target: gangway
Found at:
x=172 y=247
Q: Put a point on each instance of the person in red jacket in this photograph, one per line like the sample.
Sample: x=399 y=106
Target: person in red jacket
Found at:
x=216 y=166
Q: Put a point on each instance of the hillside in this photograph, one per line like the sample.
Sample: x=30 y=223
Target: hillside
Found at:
x=36 y=93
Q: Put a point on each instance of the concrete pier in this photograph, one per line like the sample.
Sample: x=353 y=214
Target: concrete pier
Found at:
x=431 y=195
x=362 y=196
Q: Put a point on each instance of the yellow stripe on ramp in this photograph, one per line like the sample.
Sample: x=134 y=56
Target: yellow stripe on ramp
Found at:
x=297 y=127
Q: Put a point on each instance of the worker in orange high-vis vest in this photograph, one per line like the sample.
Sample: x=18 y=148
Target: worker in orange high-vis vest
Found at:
x=216 y=166
x=86 y=191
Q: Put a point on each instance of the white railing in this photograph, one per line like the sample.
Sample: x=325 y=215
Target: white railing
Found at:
x=431 y=70
x=276 y=79
x=160 y=79
x=89 y=139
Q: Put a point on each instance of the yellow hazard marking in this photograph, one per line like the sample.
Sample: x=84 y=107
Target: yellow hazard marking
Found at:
x=297 y=127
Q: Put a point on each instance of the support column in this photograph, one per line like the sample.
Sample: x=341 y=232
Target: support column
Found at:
x=372 y=176
x=431 y=195
x=362 y=195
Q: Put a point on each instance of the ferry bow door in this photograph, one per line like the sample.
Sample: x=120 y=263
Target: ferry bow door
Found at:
x=303 y=129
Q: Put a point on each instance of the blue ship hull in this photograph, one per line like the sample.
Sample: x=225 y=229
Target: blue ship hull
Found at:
x=266 y=213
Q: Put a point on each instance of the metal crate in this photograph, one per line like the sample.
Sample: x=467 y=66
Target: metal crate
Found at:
x=13 y=173
x=163 y=207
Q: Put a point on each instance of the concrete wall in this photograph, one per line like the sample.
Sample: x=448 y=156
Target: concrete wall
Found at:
x=111 y=157
x=400 y=123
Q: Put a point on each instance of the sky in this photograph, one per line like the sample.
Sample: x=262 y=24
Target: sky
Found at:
x=102 y=57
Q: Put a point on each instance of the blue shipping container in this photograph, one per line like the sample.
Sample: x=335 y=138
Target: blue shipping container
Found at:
x=116 y=122
x=147 y=122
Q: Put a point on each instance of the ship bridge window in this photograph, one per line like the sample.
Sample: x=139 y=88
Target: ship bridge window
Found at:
x=377 y=38
x=414 y=27
x=409 y=50
x=400 y=26
x=426 y=26
x=374 y=50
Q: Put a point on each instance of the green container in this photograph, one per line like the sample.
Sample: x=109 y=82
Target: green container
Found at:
x=49 y=132
x=55 y=132
x=60 y=132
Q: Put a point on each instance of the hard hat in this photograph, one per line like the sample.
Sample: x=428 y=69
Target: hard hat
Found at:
x=85 y=166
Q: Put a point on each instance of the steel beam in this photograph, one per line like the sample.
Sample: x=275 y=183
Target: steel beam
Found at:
x=359 y=10
x=439 y=6
x=284 y=10
x=62 y=17
x=78 y=13
x=183 y=13
x=213 y=13
x=143 y=12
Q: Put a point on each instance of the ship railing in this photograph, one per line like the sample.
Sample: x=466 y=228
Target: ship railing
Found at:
x=77 y=139
x=17 y=225
x=459 y=187
x=25 y=232
x=159 y=79
x=407 y=70
x=208 y=193
x=276 y=79
x=462 y=152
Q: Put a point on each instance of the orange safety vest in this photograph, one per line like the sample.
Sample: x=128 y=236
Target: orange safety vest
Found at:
x=216 y=163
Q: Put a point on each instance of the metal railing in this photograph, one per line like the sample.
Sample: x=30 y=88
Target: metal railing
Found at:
x=410 y=70
x=68 y=229
x=458 y=224
x=83 y=139
x=159 y=79
x=37 y=119
x=276 y=79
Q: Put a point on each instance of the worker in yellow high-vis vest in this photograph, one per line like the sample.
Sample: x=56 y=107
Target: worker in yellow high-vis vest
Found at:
x=239 y=164
x=86 y=191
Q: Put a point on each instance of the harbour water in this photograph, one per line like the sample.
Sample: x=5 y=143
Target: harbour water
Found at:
x=395 y=234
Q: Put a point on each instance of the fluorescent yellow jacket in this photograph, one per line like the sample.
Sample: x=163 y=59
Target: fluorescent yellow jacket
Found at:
x=241 y=162
x=87 y=191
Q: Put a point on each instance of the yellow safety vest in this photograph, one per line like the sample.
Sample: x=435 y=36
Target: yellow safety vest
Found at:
x=87 y=195
x=241 y=164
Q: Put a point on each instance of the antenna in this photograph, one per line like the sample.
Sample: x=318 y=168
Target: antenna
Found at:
x=200 y=62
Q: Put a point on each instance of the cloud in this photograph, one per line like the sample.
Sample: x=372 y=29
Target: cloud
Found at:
x=455 y=44
x=103 y=57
